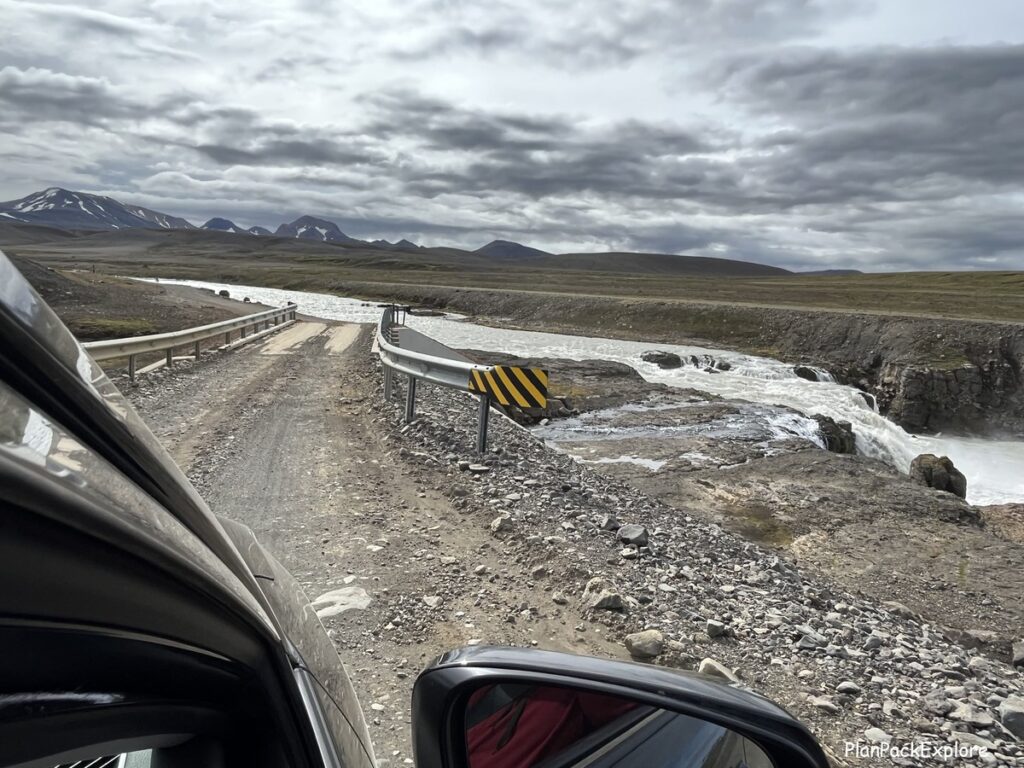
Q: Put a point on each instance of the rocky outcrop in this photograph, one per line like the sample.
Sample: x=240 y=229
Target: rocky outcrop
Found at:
x=838 y=435
x=929 y=399
x=805 y=372
x=662 y=359
x=669 y=360
x=708 y=364
x=939 y=473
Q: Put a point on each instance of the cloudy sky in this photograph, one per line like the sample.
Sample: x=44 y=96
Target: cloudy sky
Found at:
x=802 y=133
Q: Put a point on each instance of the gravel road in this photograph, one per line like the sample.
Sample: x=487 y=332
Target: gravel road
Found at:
x=408 y=548
x=282 y=436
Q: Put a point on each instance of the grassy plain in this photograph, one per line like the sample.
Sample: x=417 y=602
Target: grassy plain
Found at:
x=615 y=294
x=320 y=267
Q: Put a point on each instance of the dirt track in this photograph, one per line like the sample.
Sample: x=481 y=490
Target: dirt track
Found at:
x=279 y=436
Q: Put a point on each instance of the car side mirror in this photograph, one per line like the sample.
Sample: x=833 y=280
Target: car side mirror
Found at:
x=498 y=707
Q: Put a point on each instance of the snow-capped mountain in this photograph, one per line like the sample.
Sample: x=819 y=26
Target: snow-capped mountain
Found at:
x=56 y=207
x=312 y=228
x=64 y=209
x=223 y=225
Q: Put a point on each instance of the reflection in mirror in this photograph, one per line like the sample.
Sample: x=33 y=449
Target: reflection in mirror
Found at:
x=516 y=725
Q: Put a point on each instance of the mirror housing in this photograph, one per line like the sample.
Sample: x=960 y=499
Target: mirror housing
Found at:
x=442 y=691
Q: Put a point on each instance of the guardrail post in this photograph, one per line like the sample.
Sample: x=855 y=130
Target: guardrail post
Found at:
x=227 y=337
x=388 y=384
x=197 y=351
x=410 y=400
x=242 y=333
x=170 y=357
x=131 y=367
x=481 y=430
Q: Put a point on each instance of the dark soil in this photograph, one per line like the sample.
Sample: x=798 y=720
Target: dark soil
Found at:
x=96 y=306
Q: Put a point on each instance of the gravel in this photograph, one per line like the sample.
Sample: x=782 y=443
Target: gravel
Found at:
x=854 y=670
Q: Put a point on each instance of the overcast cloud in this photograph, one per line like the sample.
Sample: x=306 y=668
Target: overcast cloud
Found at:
x=803 y=133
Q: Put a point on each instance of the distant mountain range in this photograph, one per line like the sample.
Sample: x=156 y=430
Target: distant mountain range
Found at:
x=71 y=212
x=60 y=208
x=312 y=228
x=506 y=249
x=64 y=209
x=224 y=225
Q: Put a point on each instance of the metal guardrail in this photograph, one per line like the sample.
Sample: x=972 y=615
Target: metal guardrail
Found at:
x=167 y=342
x=448 y=369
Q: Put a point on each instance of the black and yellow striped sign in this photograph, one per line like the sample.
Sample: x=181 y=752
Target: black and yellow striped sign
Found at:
x=509 y=385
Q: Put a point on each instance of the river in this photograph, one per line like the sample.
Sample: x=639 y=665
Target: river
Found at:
x=994 y=468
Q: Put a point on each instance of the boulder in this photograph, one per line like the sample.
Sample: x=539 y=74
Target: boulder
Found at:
x=224 y=293
x=805 y=372
x=717 y=669
x=1011 y=715
x=898 y=609
x=939 y=473
x=937 y=702
x=1018 y=654
x=602 y=594
x=633 y=534
x=838 y=435
x=662 y=359
x=715 y=628
x=824 y=703
x=645 y=645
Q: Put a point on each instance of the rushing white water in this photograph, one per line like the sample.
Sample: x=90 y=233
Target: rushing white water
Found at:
x=994 y=469
x=652 y=464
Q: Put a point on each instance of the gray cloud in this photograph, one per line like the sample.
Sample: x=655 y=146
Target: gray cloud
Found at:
x=891 y=118
x=457 y=121
x=607 y=32
x=539 y=157
x=40 y=94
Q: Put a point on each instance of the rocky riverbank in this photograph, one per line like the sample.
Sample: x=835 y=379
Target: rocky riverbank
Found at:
x=761 y=472
x=928 y=374
x=677 y=589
